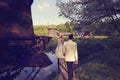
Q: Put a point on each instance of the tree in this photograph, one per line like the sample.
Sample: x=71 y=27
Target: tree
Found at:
x=66 y=28
x=61 y=28
x=40 y=30
x=85 y=13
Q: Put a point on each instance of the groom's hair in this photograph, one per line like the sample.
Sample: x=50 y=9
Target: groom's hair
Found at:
x=70 y=36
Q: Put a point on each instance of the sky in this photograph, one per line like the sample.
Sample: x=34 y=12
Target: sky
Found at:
x=45 y=12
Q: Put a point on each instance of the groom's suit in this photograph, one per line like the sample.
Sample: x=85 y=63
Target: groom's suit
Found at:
x=70 y=50
x=71 y=55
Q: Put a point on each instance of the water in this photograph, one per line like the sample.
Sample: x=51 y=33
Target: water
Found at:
x=30 y=73
x=42 y=74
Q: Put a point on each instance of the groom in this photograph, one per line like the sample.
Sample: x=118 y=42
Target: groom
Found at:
x=71 y=55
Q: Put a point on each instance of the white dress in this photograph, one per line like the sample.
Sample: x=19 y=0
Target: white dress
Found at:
x=59 y=51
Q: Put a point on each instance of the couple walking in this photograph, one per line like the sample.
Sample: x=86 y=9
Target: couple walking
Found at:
x=67 y=55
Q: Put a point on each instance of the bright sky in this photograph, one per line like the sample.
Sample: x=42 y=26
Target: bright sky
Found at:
x=45 y=12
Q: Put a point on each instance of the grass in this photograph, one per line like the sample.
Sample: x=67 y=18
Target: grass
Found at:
x=100 y=66
x=99 y=59
x=100 y=37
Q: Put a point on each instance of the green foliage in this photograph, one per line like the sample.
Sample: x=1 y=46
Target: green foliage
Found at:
x=61 y=28
x=100 y=20
x=40 y=30
x=64 y=28
x=52 y=45
x=104 y=29
x=71 y=28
